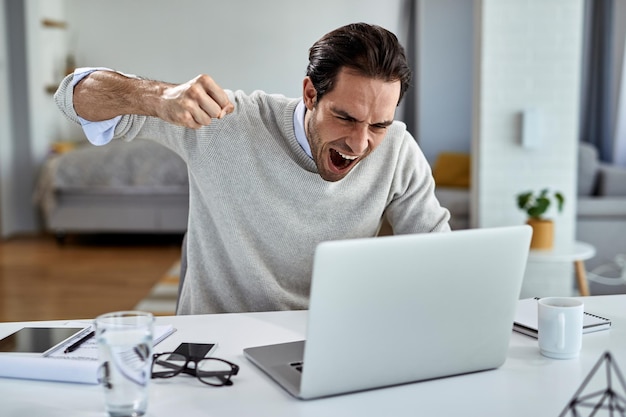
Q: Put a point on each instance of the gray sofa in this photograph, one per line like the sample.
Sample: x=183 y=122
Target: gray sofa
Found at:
x=601 y=213
x=600 y=217
x=135 y=187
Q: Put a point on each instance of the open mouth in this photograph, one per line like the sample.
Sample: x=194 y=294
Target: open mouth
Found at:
x=340 y=160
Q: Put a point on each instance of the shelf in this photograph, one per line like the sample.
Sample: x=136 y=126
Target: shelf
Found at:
x=53 y=23
x=51 y=88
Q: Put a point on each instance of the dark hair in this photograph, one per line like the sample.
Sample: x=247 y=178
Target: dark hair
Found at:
x=370 y=50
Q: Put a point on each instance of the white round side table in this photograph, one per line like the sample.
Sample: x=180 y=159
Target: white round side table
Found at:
x=577 y=252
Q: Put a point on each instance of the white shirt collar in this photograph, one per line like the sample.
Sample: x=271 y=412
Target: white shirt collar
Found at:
x=298 y=126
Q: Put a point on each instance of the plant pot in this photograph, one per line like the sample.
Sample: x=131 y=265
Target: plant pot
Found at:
x=543 y=234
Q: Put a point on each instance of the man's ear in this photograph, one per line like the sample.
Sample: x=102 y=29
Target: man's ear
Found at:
x=309 y=94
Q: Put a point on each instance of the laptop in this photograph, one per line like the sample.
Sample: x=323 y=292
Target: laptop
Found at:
x=399 y=309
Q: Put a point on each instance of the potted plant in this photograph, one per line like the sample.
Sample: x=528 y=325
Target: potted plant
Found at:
x=536 y=205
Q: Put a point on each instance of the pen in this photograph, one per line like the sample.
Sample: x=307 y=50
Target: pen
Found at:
x=76 y=345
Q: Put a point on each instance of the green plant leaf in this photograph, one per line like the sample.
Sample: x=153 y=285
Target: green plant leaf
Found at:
x=540 y=207
x=523 y=199
x=537 y=205
x=560 y=199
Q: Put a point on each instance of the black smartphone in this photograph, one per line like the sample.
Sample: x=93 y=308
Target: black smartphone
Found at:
x=37 y=339
x=195 y=350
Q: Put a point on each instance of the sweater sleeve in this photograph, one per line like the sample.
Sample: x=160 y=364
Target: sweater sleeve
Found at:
x=98 y=133
x=64 y=98
x=413 y=206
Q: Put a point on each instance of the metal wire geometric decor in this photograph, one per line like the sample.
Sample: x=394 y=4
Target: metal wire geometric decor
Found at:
x=610 y=400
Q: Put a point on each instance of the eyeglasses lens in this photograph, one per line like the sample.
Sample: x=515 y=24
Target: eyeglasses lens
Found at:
x=168 y=365
x=214 y=372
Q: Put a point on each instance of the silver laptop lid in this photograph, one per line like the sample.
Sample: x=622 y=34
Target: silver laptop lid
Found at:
x=399 y=309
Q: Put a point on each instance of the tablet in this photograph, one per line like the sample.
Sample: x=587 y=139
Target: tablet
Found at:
x=42 y=340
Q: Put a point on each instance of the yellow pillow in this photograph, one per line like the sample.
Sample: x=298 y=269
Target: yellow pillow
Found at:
x=452 y=169
x=62 y=147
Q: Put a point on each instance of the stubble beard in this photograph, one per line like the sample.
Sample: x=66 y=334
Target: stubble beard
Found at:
x=317 y=152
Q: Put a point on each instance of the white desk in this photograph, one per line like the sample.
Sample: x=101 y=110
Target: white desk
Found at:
x=526 y=385
x=577 y=253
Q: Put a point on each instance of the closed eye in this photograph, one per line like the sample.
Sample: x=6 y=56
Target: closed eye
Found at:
x=345 y=117
x=380 y=128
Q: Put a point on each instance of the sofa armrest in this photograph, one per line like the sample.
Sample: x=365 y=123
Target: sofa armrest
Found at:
x=612 y=180
x=601 y=207
x=457 y=201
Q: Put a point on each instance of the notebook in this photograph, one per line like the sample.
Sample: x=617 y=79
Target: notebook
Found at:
x=526 y=319
x=89 y=349
x=400 y=309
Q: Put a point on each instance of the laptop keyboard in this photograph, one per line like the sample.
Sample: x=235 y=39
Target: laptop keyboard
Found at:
x=297 y=366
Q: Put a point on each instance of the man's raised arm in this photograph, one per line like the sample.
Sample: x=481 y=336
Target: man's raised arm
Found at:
x=103 y=95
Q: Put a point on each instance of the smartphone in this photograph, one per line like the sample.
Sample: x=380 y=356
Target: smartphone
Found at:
x=195 y=350
x=38 y=339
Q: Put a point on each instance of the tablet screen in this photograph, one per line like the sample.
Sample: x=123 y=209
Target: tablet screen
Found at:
x=36 y=339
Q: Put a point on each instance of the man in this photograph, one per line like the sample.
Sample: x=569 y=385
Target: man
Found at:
x=271 y=177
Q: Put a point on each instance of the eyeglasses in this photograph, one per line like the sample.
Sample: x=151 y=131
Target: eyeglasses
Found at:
x=211 y=371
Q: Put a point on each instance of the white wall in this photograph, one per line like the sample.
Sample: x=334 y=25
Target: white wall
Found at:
x=243 y=44
x=529 y=57
x=46 y=54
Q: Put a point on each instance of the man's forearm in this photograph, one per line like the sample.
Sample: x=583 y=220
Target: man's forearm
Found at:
x=103 y=95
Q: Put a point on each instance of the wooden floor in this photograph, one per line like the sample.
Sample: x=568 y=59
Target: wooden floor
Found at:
x=86 y=276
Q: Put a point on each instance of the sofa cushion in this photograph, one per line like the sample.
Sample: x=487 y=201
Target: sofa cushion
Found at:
x=457 y=201
x=611 y=181
x=452 y=169
x=587 y=169
x=601 y=208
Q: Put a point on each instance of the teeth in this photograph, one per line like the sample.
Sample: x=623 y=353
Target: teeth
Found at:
x=348 y=157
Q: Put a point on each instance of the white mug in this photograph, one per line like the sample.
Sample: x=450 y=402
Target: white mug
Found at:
x=560 y=327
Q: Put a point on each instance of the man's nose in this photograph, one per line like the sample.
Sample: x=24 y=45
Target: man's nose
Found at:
x=358 y=140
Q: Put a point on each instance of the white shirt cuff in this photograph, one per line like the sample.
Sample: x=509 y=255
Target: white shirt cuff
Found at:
x=98 y=133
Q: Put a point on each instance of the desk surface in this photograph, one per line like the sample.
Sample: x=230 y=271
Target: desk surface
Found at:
x=527 y=384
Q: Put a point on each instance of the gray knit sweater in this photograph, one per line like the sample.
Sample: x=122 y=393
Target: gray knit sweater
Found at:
x=258 y=208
